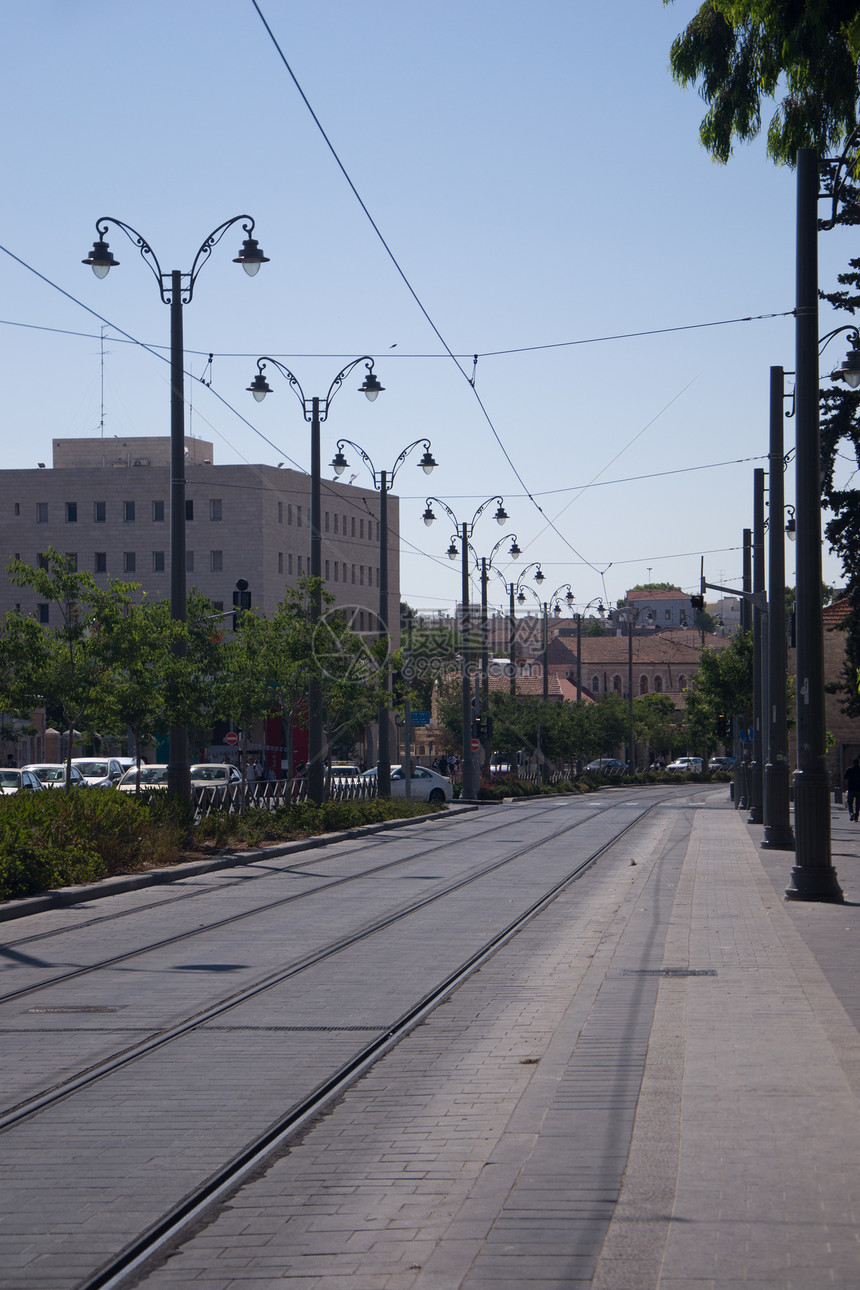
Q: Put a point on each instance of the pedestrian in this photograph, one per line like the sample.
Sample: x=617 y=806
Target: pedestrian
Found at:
x=442 y=765
x=852 y=784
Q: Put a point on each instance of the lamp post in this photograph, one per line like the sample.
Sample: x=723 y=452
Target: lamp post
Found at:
x=176 y=289
x=756 y=768
x=382 y=481
x=778 y=834
x=554 y=601
x=513 y=588
x=315 y=410
x=629 y=614
x=463 y=534
x=485 y=563
x=579 y=617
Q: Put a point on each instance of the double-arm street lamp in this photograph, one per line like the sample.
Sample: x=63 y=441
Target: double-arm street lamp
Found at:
x=597 y=602
x=382 y=481
x=484 y=564
x=553 y=600
x=176 y=289
x=630 y=614
x=463 y=534
x=513 y=589
x=315 y=410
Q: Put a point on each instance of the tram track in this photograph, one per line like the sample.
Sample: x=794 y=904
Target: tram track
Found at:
x=154 y=1041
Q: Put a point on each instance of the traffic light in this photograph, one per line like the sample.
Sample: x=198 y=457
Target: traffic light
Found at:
x=241 y=600
x=698 y=602
x=722 y=728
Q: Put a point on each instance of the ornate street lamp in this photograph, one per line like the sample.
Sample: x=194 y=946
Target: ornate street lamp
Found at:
x=629 y=614
x=463 y=535
x=176 y=289
x=315 y=410
x=382 y=481
x=485 y=564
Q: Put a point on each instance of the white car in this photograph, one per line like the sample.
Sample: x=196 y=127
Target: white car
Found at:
x=427 y=785
x=16 y=781
x=151 y=776
x=53 y=774
x=214 y=775
x=100 y=772
x=690 y=765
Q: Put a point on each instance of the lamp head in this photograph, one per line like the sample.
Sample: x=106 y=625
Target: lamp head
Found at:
x=849 y=372
x=540 y=576
x=259 y=387
x=521 y=598
x=791 y=526
x=251 y=256
x=371 y=387
x=514 y=551
x=429 y=517
x=452 y=551
x=501 y=515
x=569 y=597
x=428 y=462
x=339 y=462
x=100 y=259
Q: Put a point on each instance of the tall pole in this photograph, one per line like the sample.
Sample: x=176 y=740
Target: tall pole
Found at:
x=383 y=765
x=178 y=768
x=485 y=663
x=756 y=767
x=778 y=834
x=512 y=641
x=316 y=766
x=813 y=876
x=469 y=789
x=545 y=653
x=630 y=692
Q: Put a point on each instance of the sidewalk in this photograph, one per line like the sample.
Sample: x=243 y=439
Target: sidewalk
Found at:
x=574 y=1117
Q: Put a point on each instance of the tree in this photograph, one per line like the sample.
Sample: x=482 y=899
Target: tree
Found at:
x=723 y=685
x=742 y=51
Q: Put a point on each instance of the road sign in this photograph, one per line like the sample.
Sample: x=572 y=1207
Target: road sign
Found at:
x=231 y=737
x=420 y=718
x=476 y=745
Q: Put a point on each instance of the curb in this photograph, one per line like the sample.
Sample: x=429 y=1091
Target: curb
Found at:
x=64 y=896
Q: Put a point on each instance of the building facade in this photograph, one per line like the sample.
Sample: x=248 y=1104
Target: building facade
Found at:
x=106 y=503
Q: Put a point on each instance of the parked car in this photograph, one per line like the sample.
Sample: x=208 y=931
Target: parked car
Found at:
x=214 y=775
x=721 y=763
x=687 y=765
x=100 y=772
x=607 y=766
x=343 y=770
x=53 y=774
x=17 y=781
x=151 y=776
x=427 y=785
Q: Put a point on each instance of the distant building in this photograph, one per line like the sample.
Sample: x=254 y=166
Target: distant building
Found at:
x=106 y=503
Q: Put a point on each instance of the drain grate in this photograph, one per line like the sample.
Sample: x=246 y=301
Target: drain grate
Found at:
x=669 y=972
x=80 y=1008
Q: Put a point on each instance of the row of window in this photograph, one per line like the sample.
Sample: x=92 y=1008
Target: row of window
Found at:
x=129 y=511
x=43 y=613
x=335 y=570
x=657 y=684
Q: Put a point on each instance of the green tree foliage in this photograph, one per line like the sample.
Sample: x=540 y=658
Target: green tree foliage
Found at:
x=723 y=684
x=743 y=52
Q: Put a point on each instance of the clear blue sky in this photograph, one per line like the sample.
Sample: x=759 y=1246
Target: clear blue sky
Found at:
x=538 y=178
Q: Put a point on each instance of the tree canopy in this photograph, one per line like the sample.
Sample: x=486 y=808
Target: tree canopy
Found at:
x=744 y=52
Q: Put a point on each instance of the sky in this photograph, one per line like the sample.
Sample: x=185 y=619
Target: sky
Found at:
x=521 y=184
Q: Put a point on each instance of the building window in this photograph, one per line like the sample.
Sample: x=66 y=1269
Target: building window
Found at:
x=218 y=605
x=668 y=615
x=71 y=512
x=101 y=562
x=361 y=620
x=344 y=572
x=289 y=562
x=72 y=557
x=129 y=562
x=42 y=560
x=215 y=508
x=658 y=685
x=616 y=684
x=128 y=512
x=336 y=571
x=298 y=517
x=336 y=518
x=643 y=684
x=326 y=521
x=158 y=562
x=289 y=512
x=189 y=509
x=43 y=613
x=595 y=685
x=216 y=561
x=41 y=512
x=17 y=508
x=280 y=562
x=682 y=682
x=280 y=512
x=158 y=512
x=361 y=574
x=300 y=565
x=99 y=512
x=327 y=570
x=352 y=528
x=361 y=528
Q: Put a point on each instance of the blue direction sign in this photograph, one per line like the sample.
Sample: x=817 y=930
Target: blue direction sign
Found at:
x=420 y=719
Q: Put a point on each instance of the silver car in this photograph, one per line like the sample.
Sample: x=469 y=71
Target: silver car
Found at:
x=17 y=781
x=427 y=785
x=53 y=774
